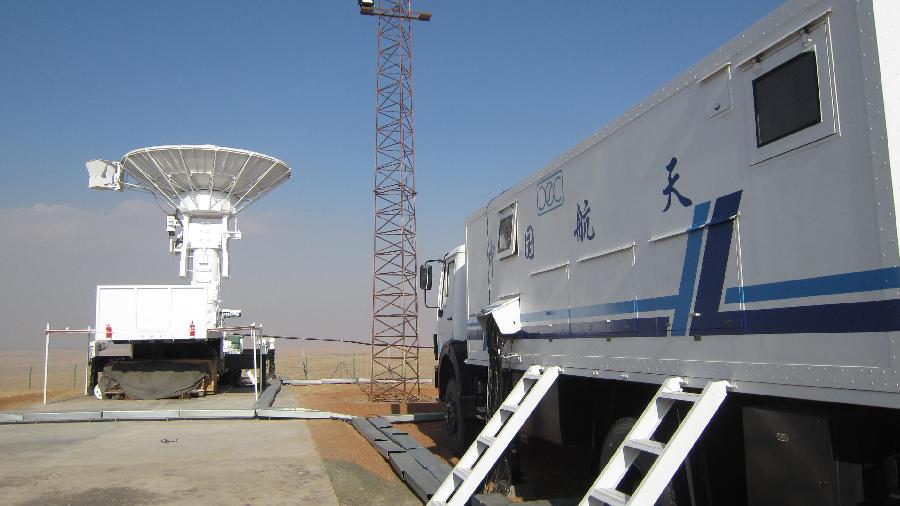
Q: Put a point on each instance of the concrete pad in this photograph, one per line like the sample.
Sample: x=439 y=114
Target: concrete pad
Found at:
x=203 y=462
x=300 y=414
x=10 y=418
x=284 y=399
x=230 y=399
x=68 y=416
x=223 y=414
x=140 y=415
x=231 y=405
x=414 y=417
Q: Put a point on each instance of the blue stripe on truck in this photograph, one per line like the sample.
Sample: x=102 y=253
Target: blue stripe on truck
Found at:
x=713 y=268
x=708 y=319
x=689 y=270
x=835 y=284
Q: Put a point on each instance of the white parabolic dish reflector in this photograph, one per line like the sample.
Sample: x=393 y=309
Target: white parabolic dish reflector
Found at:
x=204 y=179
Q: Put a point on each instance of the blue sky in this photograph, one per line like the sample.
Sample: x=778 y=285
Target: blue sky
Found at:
x=501 y=88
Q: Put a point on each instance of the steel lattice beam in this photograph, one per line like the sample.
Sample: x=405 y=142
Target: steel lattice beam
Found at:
x=395 y=309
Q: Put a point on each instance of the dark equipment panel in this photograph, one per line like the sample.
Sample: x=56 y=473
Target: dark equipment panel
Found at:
x=800 y=457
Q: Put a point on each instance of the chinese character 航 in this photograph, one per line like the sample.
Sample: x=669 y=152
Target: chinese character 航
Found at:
x=583 y=228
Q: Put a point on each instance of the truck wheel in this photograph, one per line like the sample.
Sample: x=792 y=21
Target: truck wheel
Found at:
x=614 y=438
x=455 y=423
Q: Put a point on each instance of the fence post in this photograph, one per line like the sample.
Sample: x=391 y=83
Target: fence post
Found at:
x=353 y=358
x=30 y=369
x=87 y=363
x=255 y=372
x=305 y=366
x=74 y=376
x=46 y=358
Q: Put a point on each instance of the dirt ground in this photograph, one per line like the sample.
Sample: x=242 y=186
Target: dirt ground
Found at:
x=11 y=402
x=547 y=470
x=344 y=450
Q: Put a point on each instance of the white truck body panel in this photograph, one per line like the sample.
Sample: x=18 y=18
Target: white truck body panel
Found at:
x=151 y=312
x=775 y=265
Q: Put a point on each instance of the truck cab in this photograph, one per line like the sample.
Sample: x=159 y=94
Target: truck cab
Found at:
x=448 y=296
x=443 y=283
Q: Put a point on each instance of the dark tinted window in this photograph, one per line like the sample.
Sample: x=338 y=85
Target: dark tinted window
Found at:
x=505 y=241
x=787 y=99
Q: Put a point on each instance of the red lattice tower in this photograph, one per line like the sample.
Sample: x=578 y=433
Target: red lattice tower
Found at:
x=395 y=308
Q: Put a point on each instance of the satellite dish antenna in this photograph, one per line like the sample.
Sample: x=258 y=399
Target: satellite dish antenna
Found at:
x=202 y=188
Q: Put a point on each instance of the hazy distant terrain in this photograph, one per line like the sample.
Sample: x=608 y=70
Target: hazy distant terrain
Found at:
x=22 y=371
x=65 y=371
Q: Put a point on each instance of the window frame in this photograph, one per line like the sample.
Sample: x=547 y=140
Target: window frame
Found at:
x=447 y=275
x=801 y=126
x=815 y=38
x=508 y=212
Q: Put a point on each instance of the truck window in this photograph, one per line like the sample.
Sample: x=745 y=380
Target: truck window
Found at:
x=786 y=99
x=505 y=241
x=506 y=234
x=450 y=269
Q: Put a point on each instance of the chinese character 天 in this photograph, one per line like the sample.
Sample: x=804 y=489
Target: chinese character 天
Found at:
x=670 y=188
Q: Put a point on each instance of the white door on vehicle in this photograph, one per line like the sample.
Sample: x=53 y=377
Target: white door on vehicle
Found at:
x=445 y=321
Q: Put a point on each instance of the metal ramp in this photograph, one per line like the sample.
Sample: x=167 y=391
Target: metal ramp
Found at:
x=478 y=460
x=669 y=456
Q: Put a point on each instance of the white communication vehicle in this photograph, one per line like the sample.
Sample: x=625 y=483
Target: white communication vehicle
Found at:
x=726 y=252
x=179 y=343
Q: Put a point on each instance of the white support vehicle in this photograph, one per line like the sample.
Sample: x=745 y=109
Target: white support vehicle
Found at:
x=170 y=329
x=735 y=232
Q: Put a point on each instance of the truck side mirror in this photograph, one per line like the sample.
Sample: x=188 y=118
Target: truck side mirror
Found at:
x=425 y=277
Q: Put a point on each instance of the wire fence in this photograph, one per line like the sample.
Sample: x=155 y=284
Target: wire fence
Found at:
x=302 y=366
x=22 y=373
x=64 y=376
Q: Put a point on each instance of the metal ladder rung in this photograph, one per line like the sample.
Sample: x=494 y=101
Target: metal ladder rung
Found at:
x=462 y=472
x=610 y=496
x=680 y=396
x=486 y=440
x=646 y=445
x=669 y=456
x=532 y=376
x=473 y=467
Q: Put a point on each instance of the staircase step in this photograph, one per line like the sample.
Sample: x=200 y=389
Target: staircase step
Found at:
x=486 y=440
x=671 y=455
x=463 y=481
x=680 y=396
x=534 y=376
x=610 y=496
x=462 y=473
x=646 y=445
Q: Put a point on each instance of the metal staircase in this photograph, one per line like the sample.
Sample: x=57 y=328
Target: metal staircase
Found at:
x=669 y=456
x=478 y=460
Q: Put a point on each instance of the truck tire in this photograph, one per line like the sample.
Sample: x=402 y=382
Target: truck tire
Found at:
x=614 y=438
x=455 y=423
